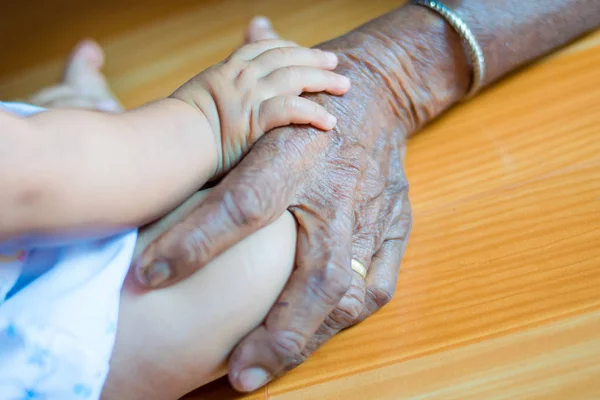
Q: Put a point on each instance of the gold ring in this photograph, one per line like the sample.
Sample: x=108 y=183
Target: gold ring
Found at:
x=359 y=268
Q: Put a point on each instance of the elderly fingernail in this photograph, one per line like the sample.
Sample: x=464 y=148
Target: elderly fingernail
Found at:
x=331 y=121
x=331 y=57
x=156 y=273
x=253 y=378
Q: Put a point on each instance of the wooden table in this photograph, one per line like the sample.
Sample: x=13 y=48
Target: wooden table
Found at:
x=499 y=295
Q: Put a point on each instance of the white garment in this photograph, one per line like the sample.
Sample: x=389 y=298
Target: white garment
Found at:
x=59 y=307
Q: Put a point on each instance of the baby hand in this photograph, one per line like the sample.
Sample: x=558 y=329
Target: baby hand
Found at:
x=257 y=89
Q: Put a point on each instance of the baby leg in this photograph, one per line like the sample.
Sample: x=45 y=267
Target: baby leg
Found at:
x=173 y=340
x=83 y=85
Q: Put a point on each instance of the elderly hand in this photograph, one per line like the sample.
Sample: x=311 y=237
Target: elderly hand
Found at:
x=349 y=194
x=347 y=190
x=346 y=187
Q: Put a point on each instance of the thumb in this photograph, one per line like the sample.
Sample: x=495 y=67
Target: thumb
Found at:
x=250 y=197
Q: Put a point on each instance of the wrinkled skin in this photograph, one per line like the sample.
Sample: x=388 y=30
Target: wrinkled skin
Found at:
x=349 y=194
x=346 y=187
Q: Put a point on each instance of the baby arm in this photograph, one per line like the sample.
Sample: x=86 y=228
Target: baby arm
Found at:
x=174 y=340
x=71 y=170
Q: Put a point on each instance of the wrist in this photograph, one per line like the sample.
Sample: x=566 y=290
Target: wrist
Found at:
x=180 y=131
x=203 y=103
x=412 y=59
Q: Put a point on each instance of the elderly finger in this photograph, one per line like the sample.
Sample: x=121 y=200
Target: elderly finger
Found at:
x=344 y=315
x=358 y=302
x=246 y=200
x=385 y=265
x=364 y=240
x=285 y=110
x=321 y=278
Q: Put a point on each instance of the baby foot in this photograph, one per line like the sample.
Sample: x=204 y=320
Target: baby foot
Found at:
x=260 y=28
x=83 y=85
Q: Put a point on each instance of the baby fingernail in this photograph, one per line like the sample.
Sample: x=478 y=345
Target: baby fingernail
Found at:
x=331 y=120
x=253 y=378
x=156 y=273
x=346 y=82
x=333 y=59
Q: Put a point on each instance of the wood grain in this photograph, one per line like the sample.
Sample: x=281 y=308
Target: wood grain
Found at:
x=498 y=295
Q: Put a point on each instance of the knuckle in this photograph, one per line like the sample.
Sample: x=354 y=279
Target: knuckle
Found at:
x=347 y=312
x=245 y=206
x=398 y=185
x=351 y=305
x=342 y=318
x=379 y=296
x=335 y=322
x=246 y=77
x=330 y=283
x=279 y=52
x=317 y=109
x=288 y=345
x=229 y=68
x=292 y=75
x=290 y=103
x=196 y=248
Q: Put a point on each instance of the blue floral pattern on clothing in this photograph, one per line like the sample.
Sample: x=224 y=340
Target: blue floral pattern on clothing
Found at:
x=59 y=304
